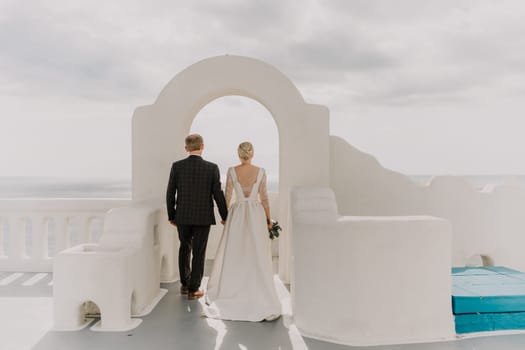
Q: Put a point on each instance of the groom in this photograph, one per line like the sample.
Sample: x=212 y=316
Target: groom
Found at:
x=193 y=186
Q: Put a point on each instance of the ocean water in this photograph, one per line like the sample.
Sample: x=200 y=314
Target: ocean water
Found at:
x=56 y=187
x=67 y=188
x=52 y=187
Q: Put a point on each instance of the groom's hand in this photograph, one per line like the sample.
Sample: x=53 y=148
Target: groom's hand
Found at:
x=173 y=223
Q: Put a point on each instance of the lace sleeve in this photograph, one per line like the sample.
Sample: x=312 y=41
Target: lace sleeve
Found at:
x=229 y=188
x=263 y=196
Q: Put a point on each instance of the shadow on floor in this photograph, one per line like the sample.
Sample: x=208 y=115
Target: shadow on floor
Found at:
x=176 y=323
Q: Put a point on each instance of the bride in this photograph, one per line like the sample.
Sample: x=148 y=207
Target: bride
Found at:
x=241 y=285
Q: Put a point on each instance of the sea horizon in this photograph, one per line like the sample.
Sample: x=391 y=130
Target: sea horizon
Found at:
x=55 y=187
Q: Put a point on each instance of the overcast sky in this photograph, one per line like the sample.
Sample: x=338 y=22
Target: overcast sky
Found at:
x=427 y=87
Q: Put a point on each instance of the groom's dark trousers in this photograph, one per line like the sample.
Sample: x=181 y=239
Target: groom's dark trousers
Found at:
x=196 y=237
x=193 y=186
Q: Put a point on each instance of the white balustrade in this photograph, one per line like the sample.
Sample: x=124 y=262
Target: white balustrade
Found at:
x=33 y=231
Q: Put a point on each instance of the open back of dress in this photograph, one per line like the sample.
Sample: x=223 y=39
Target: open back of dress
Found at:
x=247 y=191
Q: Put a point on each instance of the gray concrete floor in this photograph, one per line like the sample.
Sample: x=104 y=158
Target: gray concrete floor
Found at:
x=176 y=323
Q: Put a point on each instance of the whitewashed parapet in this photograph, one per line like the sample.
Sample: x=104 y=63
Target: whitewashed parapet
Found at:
x=372 y=280
x=488 y=222
x=32 y=231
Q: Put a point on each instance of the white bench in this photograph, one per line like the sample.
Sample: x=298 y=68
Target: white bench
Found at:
x=120 y=274
x=369 y=280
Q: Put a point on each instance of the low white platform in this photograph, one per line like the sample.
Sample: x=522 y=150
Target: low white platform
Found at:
x=26 y=321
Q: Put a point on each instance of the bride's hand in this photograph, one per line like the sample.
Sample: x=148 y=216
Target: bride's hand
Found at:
x=270 y=226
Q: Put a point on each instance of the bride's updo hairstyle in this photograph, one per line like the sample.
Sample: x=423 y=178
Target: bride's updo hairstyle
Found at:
x=245 y=150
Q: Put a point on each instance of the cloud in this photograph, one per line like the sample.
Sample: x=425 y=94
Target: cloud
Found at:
x=49 y=52
x=441 y=51
x=97 y=51
x=384 y=51
x=362 y=58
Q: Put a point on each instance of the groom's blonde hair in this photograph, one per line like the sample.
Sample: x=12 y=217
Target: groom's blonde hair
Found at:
x=194 y=142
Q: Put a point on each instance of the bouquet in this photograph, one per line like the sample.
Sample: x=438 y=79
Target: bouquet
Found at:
x=274 y=230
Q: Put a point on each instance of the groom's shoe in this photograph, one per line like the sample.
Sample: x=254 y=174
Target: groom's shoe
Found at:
x=195 y=295
x=183 y=290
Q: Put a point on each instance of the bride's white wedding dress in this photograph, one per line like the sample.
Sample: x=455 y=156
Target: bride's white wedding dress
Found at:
x=241 y=285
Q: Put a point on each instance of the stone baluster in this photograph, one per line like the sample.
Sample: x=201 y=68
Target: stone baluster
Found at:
x=38 y=238
x=49 y=226
x=94 y=226
x=83 y=222
x=61 y=232
x=17 y=238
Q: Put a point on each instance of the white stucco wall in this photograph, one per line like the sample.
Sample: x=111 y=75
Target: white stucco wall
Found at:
x=488 y=222
x=159 y=129
x=483 y=222
x=369 y=280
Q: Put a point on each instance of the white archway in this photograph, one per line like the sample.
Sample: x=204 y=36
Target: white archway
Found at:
x=159 y=129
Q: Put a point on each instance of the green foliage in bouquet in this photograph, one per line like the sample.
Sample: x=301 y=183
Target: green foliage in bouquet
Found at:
x=275 y=230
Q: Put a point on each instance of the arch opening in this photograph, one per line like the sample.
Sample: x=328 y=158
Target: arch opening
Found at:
x=90 y=309
x=227 y=121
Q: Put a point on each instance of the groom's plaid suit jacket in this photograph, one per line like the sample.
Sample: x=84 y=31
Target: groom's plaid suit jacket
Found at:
x=193 y=186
